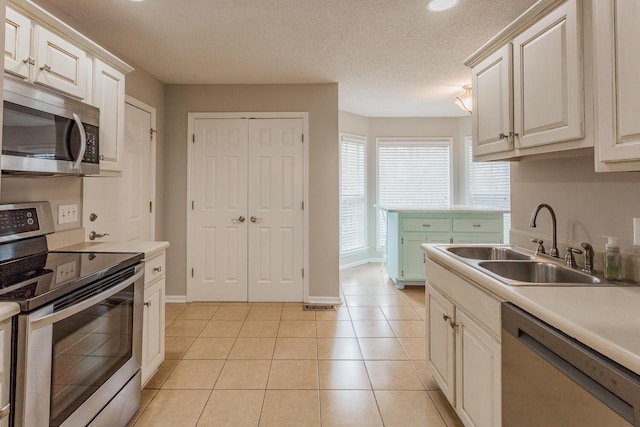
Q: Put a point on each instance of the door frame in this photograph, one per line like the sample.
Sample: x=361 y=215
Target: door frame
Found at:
x=304 y=116
x=128 y=99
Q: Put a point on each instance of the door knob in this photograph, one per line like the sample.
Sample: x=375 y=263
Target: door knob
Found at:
x=254 y=219
x=93 y=235
x=239 y=219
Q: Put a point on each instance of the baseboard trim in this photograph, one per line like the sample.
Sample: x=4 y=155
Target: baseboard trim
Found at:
x=325 y=300
x=175 y=299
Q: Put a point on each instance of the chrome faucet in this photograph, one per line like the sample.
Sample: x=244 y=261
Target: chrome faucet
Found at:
x=554 y=245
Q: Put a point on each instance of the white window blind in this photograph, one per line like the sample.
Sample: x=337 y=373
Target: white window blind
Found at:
x=488 y=184
x=412 y=173
x=353 y=190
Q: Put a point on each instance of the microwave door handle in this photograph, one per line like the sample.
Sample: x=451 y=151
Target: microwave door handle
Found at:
x=83 y=141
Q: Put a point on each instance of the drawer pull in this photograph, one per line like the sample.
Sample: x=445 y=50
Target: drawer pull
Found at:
x=147 y=304
x=426 y=225
x=477 y=225
x=157 y=269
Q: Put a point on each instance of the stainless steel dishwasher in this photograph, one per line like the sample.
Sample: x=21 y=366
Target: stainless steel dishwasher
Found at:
x=550 y=379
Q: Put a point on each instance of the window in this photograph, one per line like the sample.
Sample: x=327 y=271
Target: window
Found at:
x=488 y=184
x=353 y=190
x=412 y=172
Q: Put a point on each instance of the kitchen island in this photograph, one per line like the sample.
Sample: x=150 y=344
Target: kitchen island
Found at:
x=409 y=226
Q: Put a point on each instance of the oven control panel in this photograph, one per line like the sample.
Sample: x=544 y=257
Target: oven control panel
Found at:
x=21 y=220
x=18 y=221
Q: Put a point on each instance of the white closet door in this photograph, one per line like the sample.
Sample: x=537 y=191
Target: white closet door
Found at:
x=136 y=174
x=218 y=240
x=275 y=209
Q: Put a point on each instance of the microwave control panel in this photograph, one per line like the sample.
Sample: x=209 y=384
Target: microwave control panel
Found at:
x=91 y=154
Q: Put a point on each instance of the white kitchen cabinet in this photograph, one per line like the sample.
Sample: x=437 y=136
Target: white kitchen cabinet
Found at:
x=17 y=38
x=528 y=90
x=108 y=95
x=463 y=345
x=153 y=318
x=617 y=99
x=59 y=64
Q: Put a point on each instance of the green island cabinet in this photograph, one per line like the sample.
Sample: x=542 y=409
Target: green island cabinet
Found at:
x=407 y=229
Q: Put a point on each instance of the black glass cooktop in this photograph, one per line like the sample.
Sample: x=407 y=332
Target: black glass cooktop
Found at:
x=41 y=278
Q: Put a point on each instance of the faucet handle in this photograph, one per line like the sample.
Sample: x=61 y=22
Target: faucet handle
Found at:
x=540 y=247
x=588 y=258
x=569 y=260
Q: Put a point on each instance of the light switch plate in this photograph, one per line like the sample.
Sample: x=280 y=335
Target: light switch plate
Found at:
x=636 y=231
x=67 y=214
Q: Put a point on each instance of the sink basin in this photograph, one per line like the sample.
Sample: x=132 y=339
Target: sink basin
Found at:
x=536 y=272
x=488 y=253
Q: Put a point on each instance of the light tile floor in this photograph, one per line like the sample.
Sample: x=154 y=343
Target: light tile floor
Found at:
x=273 y=364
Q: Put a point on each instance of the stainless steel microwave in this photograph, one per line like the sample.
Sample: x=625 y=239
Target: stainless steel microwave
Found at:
x=45 y=132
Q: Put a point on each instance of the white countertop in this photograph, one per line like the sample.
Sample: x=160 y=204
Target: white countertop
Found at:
x=148 y=248
x=603 y=318
x=8 y=309
x=439 y=208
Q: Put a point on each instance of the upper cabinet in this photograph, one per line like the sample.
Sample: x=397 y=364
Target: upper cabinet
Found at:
x=617 y=97
x=43 y=50
x=528 y=85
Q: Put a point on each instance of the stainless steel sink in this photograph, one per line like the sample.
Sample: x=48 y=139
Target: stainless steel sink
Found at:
x=488 y=253
x=537 y=272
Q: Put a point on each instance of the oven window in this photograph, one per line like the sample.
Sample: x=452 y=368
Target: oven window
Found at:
x=88 y=348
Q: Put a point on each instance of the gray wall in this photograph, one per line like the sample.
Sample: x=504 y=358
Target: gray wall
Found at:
x=587 y=205
x=321 y=102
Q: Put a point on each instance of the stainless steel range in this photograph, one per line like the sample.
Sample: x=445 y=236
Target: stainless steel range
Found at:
x=77 y=351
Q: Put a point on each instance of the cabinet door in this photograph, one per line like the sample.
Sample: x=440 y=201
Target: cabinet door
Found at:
x=616 y=35
x=17 y=40
x=441 y=341
x=59 y=64
x=492 y=108
x=547 y=79
x=153 y=329
x=412 y=267
x=108 y=95
x=5 y=366
x=478 y=381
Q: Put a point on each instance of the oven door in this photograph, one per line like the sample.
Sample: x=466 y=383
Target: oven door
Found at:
x=75 y=355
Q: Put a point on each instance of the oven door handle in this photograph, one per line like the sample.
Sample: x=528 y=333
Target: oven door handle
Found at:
x=83 y=305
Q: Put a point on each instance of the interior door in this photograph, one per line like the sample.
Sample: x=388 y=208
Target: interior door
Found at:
x=136 y=173
x=246 y=229
x=275 y=209
x=218 y=227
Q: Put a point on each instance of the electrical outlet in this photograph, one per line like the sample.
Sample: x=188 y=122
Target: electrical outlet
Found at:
x=67 y=214
x=65 y=272
x=636 y=231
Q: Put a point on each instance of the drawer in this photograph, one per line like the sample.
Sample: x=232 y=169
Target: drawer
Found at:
x=426 y=224
x=477 y=226
x=154 y=268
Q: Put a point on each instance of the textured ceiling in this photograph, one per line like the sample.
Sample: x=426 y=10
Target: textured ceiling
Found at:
x=391 y=58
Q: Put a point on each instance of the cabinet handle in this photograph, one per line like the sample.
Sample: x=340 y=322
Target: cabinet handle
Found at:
x=46 y=68
x=426 y=225
x=453 y=324
x=147 y=304
x=503 y=136
x=477 y=225
x=513 y=134
x=29 y=61
x=157 y=269
x=446 y=317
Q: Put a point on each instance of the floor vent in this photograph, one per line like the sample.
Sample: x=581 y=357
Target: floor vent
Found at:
x=318 y=307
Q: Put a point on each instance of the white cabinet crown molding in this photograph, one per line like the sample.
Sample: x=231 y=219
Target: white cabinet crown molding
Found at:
x=56 y=25
x=521 y=23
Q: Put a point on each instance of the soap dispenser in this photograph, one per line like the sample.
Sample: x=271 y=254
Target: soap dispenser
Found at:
x=612 y=264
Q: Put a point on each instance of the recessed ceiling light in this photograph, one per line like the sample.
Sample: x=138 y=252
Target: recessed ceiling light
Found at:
x=441 y=5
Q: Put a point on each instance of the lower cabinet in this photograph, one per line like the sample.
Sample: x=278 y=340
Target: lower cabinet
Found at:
x=153 y=317
x=463 y=346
